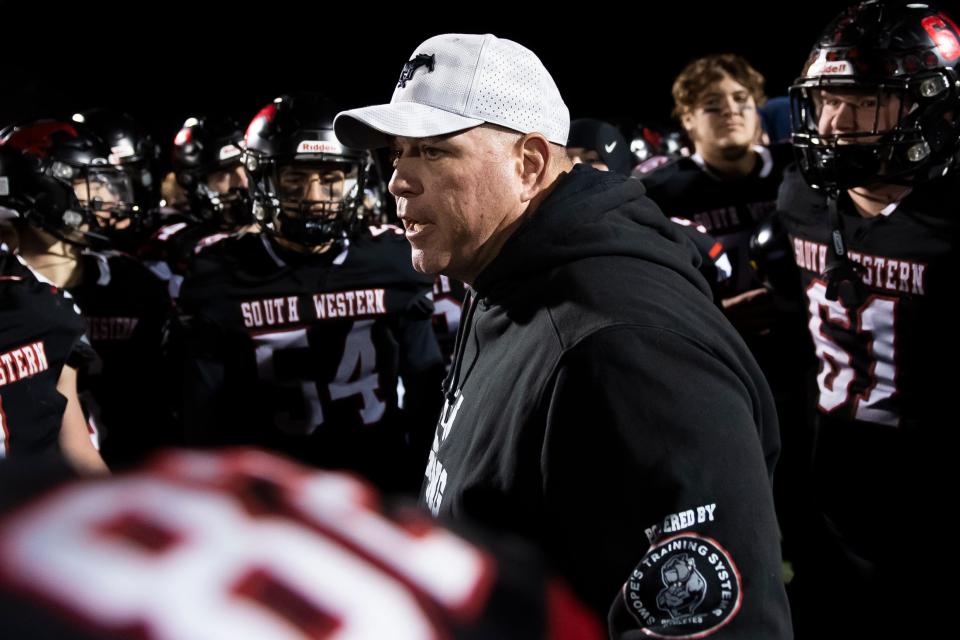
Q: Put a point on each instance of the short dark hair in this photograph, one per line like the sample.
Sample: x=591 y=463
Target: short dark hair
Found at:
x=702 y=72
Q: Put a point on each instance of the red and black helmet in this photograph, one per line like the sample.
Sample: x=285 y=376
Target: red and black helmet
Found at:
x=882 y=48
x=297 y=130
x=75 y=190
x=203 y=146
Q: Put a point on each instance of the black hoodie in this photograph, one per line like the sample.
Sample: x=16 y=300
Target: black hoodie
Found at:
x=602 y=406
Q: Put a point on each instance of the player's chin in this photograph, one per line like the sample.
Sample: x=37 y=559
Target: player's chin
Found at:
x=735 y=148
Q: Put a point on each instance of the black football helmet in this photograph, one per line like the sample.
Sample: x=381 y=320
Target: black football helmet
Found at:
x=15 y=179
x=132 y=149
x=203 y=147
x=890 y=54
x=306 y=186
x=74 y=192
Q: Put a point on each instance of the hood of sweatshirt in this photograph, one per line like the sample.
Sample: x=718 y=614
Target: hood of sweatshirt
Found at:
x=589 y=214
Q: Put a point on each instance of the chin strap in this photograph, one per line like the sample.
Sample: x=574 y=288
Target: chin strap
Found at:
x=840 y=268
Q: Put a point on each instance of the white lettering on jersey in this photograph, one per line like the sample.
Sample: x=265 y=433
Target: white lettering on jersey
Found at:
x=880 y=272
x=22 y=362
x=356 y=375
x=717 y=219
x=873 y=327
x=270 y=312
x=177 y=551
x=348 y=304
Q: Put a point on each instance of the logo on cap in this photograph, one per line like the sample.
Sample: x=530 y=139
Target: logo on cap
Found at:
x=422 y=60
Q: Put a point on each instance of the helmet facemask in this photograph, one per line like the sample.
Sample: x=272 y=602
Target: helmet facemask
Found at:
x=311 y=201
x=850 y=134
x=219 y=197
x=902 y=60
x=308 y=189
x=108 y=193
x=100 y=204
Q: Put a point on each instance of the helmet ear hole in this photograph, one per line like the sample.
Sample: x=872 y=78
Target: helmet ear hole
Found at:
x=941 y=128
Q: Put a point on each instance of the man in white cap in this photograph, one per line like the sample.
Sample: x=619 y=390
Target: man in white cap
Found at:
x=598 y=404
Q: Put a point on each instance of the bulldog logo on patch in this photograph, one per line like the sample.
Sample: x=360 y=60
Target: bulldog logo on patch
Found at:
x=684 y=587
x=687 y=586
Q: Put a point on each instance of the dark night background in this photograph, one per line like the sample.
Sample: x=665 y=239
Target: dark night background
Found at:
x=162 y=62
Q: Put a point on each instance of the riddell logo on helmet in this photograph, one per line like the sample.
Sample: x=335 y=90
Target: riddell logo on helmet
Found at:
x=228 y=151
x=836 y=68
x=120 y=152
x=318 y=146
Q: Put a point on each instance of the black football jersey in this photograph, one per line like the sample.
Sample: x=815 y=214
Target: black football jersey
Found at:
x=729 y=209
x=40 y=331
x=244 y=544
x=125 y=308
x=879 y=351
x=714 y=262
x=168 y=251
x=302 y=353
x=886 y=350
x=448 y=295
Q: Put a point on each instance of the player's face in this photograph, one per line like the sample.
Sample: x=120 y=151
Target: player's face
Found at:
x=865 y=113
x=316 y=187
x=724 y=118
x=226 y=179
x=104 y=192
x=316 y=190
x=229 y=183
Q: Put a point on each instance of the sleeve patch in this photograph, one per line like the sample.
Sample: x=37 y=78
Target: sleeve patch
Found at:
x=687 y=586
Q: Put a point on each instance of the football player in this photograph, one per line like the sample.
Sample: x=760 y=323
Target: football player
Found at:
x=871 y=214
x=297 y=336
x=64 y=234
x=42 y=344
x=246 y=545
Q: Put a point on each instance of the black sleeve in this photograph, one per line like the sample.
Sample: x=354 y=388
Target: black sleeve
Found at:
x=422 y=371
x=653 y=454
x=418 y=344
x=195 y=351
x=82 y=354
x=714 y=264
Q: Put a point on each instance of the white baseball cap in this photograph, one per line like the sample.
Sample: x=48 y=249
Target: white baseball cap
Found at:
x=457 y=81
